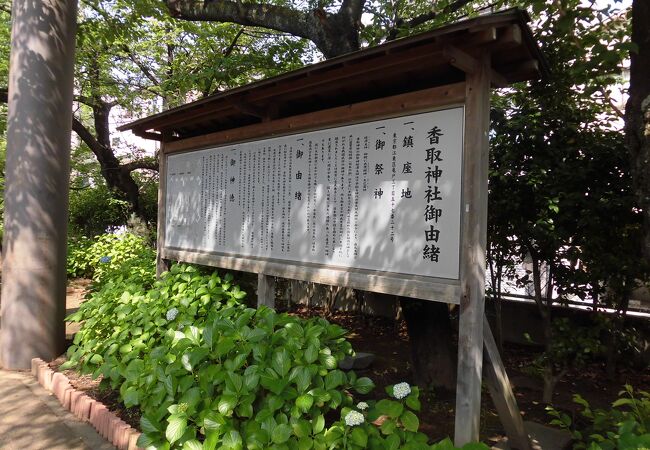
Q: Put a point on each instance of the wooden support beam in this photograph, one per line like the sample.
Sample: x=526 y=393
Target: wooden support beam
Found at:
x=481 y=37
x=395 y=105
x=265 y=290
x=524 y=70
x=461 y=60
x=427 y=288
x=250 y=109
x=510 y=36
x=498 y=80
x=162 y=265
x=149 y=135
x=299 y=294
x=502 y=395
x=473 y=243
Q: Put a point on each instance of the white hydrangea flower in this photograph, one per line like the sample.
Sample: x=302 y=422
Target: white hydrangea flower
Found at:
x=171 y=314
x=354 y=418
x=362 y=406
x=401 y=390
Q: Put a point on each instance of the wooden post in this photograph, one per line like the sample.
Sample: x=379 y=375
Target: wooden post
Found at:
x=265 y=290
x=299 y=294
x=37 y=172
x=473 y=242
x=502 y=395
x=162 y=265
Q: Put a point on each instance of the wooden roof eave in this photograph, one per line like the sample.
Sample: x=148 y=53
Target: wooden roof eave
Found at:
x=450 y=44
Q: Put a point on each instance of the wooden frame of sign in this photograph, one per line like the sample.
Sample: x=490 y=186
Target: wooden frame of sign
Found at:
x=486 y=40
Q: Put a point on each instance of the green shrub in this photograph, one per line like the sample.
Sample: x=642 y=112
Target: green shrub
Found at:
x=109 y=256
x=208 y=372
x=77 y=262
x=625 y=426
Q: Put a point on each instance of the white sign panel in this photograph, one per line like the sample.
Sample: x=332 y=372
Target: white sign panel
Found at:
x=382 y=195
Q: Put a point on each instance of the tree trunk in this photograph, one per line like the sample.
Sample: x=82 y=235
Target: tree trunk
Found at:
x=433 y=355
x=637 y=114
x=545 y=309
x=115 y=175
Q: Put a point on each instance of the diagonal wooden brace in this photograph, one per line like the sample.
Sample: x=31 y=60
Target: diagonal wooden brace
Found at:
x=501 y=392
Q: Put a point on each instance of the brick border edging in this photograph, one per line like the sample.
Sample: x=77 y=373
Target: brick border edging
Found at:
x=85 y=408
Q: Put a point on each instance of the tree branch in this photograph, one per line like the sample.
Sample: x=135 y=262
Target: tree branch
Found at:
x=425 y=17
x=145 y=163
x=85 y=100
x=145 y=70
x=86 y=136
x=353 y=9
x=275 y=17
x=228 y=51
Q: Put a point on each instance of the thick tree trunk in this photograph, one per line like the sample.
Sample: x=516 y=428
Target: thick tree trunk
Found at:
x=116 y=176
x=637 y=114
x=433 y=354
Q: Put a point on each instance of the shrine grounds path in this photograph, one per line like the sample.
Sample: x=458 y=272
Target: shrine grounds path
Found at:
x=32 y=419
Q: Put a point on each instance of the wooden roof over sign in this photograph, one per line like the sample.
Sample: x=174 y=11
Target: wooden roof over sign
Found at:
x=435 y=58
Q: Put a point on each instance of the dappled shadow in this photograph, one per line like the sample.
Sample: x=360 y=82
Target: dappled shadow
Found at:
x=32 y=419
x=212 y=219
x=36 y=187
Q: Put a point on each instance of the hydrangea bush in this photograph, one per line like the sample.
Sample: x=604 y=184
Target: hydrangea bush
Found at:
x=208 y=372
x=109 y=256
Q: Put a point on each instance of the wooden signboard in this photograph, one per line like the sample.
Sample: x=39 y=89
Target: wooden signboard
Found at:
x=380 y=197
x=367 y=171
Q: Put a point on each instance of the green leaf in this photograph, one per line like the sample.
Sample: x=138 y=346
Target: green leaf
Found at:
x=145 y=441
x=305 y=402
x=126 y=348
x=410 y=421
x=211 y=440
x=392 y=442
x=185 y=360
x=364 y=385
x=227 y=404
x=302 y=428
x=232 y=441
x=281 y=362
x=251 y=381
x=390 y=408
x=302 y=378
x=67 y=365
x=329 y=362
x=475 y=446
x=311 y=354
x=334 y=379
x=318 y=424
x=445 y=444
x=413 y=402
x=131 y=397
x=359 y=437
x=305 y=443
x=192 y=444
x=281 y=434
x=213 y=421
x=175 y=429
x=147 y=426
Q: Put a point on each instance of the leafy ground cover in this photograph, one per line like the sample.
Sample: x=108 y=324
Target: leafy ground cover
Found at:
x=188 y=362
x=206 y=371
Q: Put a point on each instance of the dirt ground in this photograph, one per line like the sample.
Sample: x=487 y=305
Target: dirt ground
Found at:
x=388 y=340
